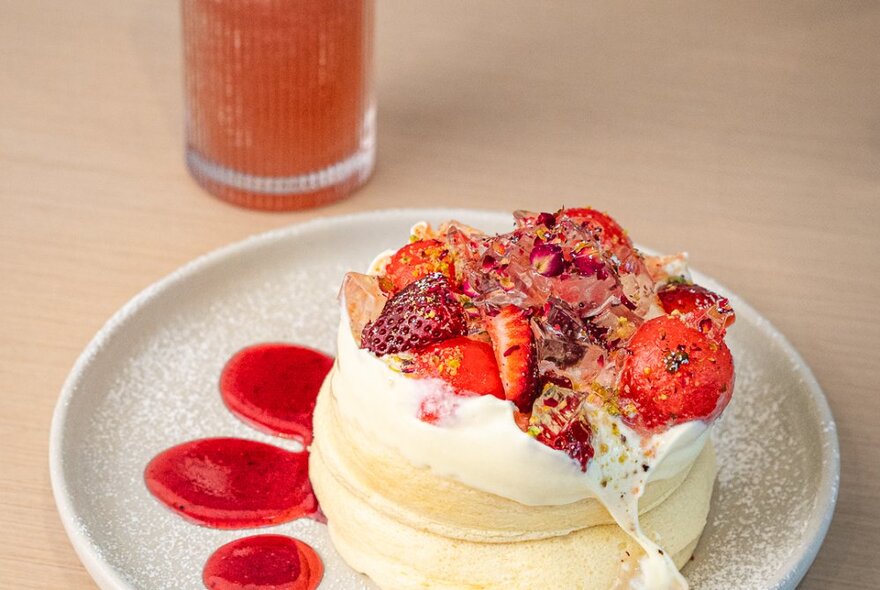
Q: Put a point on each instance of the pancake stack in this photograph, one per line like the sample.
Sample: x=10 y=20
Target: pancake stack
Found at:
x=406 y=527
x=522 y=410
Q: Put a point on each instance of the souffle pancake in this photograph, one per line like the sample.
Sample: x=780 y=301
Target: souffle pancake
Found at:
x=524 y=410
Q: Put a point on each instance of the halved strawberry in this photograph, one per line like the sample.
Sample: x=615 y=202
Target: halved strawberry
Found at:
x=417 y=260
x=468 y=365
x=515 y=354
x=425 y=312
x=604 y=227
x=674 y=374
x=707 y=311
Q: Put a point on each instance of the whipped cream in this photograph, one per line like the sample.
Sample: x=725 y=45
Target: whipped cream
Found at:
x=481 y=445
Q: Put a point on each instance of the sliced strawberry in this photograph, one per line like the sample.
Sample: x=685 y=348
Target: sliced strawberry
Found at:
x=468 y=365
x=515 y=353
x=604 y=227
x=425 y=312
x=706 y=310
x=674 y=374
x=417 y=260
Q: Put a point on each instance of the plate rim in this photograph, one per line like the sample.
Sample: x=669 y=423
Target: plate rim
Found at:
x=106 y=576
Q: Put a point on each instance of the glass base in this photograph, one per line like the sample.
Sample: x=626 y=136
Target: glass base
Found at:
x=283 y=193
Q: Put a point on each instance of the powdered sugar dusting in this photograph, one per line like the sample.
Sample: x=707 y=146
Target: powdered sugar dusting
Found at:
x=778 y=467
x=761 y=496
x=150 y=382
x=164 y=391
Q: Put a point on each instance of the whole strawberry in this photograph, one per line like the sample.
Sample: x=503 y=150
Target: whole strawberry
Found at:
x=604 y=227
x=674 y=374
x=424 y=312
x=417 y=260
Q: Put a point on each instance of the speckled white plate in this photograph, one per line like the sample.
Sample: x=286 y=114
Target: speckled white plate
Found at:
x=148 y=381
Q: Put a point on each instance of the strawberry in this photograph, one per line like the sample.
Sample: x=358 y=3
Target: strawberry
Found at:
x=674 y=374
x=603 y=226
x=705 y=310
x=468 y=365
x=417 y=260
x=424 y=312
x=512 y=341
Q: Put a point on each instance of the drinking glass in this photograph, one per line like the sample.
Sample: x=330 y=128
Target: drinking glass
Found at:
x=280 y=112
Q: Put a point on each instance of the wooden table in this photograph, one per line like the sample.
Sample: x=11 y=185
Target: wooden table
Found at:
x=748 y=134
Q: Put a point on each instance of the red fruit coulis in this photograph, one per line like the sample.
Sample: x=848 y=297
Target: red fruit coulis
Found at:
x=273 y=387
x=230 y=483
x=264 y=562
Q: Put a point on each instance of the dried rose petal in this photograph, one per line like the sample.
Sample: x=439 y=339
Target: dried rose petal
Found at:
x=467 y=289
x=589 y=263
x=546 y=219
x=547 y=260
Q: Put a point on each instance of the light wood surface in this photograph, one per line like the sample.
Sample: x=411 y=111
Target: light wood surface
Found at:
x=745 y=132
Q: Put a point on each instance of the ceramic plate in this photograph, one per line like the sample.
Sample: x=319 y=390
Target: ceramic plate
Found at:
x=148 y=381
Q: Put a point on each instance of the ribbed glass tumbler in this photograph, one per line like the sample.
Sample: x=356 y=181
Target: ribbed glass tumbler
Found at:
x=280 y=112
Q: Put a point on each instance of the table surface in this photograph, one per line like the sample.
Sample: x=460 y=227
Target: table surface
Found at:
x=747 y=133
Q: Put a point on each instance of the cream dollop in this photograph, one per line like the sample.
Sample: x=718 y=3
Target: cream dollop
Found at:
x=481 y=446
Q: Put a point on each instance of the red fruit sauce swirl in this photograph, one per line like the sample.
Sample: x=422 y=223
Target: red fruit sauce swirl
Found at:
x=263 y=562
x=231 y=483
x=273 y=387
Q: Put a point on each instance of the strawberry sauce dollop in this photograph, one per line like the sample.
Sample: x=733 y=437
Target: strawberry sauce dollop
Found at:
x=273 y=387
x=263 y=562
x=231 y=483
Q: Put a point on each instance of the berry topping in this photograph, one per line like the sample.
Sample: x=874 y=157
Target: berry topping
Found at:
x=703 y=309
x=674 y=374
x=515 y=354
x=559 y=421
x=417 y=260
x=552 y=317
x=546 y=219
x=468 y=365
x=575 y=440
x=424 y=312
x=601 y=225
